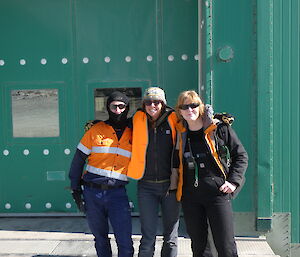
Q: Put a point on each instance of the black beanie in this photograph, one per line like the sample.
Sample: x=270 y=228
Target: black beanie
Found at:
x=117 y=96
x=117 y=120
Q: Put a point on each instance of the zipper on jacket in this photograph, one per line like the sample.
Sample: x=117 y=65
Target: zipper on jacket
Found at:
x=155 y=153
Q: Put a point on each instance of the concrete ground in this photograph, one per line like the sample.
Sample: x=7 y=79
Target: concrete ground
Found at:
x=70 y=237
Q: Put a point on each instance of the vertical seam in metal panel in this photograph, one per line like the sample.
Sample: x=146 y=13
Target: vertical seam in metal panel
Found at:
x=298 y=124
x=255 y=97
x=285 y=163
x=211 y=55
x=290 y=102
x=159 y=43
x=208 y=52
x=74 y=54
x=295 y=118
x=287 y=100
x=199 y=46
x=264 y=115
x=271 y=101
x=280 y=86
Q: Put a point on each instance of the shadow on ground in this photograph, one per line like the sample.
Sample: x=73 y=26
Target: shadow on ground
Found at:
x=66 y=225
x=45 y=224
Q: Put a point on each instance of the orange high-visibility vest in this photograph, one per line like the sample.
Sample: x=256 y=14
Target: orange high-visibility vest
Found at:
x=108 y=156
x=140 y=143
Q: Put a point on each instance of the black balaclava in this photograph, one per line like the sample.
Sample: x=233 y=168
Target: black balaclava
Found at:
x=117 y=120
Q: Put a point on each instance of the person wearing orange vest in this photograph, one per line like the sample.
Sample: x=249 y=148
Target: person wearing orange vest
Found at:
x=211 y=170
x=107 y=148
x=153 y=143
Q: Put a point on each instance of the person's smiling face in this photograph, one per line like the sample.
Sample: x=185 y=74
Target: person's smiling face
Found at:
x=190 y=111
x=153 y=108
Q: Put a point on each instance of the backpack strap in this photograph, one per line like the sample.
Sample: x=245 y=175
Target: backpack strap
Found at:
x=222 y=142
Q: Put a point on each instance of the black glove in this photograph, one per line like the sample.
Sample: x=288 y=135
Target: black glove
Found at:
x=77 y=196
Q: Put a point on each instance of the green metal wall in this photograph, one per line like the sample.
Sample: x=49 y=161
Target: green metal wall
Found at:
x=252 y=71
x=31 y=31
x=228 y=76
x=286 y=110
x=278 y=46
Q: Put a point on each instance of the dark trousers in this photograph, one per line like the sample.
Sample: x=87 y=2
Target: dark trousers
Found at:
x=151 y=196
x=218 y=211
x=112 y=205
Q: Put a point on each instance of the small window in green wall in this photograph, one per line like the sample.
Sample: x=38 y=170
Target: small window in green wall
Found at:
x=101 y=95
x=35 y=113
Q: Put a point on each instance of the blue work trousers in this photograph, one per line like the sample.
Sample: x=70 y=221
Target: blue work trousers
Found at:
x=109 y=205
x=151 y=196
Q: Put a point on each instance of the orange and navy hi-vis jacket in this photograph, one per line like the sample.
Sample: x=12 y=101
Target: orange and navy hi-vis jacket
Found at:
x=140 y=142
x=107 y=156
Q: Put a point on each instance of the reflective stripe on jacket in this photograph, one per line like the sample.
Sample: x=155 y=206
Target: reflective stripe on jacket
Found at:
x=140 y=143
x=108 y=156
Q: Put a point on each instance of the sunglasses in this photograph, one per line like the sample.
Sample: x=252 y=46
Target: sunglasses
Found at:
x=187 y=106
x=150 y=102
x=115 y=106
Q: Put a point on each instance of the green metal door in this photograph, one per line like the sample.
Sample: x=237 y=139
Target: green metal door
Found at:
x=228 y=83
x=56 y=58
x=36 y=77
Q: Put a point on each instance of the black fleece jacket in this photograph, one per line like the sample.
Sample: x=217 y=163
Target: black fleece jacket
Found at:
x=160 y=148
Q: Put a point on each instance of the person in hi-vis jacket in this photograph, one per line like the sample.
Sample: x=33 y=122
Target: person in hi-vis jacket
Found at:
x=153 y=144
x=107 y=148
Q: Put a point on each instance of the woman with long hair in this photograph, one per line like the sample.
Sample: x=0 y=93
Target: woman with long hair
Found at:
x=211 y=170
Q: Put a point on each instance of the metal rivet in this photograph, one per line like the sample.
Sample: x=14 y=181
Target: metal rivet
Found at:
x=43 y=61
x=48 y=205
x=225 y=54
x=196 y=57
x=85 y=60
x=22 y=61
x=5 y=152
x=64 y=60
x=184 y=57
x=202 y=24
x=149 y=58
x=45 y=151
x=28 y=206
x=2 y=62
x=171 y=58
x=67 y=151
x=7 y=206
x=107 y=59
x=68 y=205
x=128 y=59
x=26 y=152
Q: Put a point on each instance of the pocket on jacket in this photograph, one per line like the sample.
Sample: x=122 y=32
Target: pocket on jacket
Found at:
x=212 y=184
x=219 y=181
